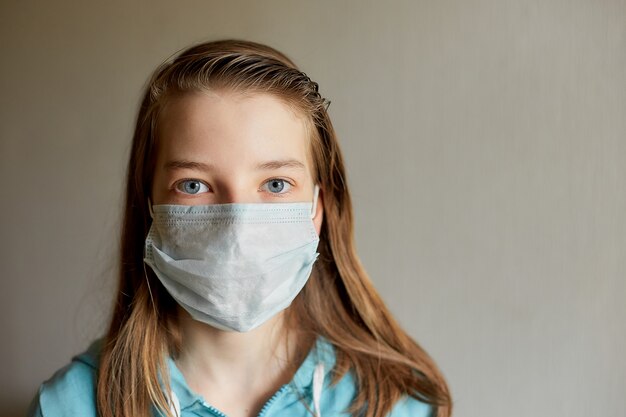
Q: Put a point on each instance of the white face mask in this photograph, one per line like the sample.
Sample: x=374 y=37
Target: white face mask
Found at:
x=233 y=266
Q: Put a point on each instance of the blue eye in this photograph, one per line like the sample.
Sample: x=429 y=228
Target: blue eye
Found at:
x=277 y=185
x=192 y=187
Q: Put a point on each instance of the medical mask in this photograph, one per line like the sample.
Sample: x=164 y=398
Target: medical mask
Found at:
x=233 y=266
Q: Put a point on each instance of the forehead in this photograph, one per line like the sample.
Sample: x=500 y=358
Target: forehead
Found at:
x=231 y=128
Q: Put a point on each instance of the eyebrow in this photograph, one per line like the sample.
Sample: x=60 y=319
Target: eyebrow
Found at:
x=264 y=166
x=185 y=164
x=285 y=163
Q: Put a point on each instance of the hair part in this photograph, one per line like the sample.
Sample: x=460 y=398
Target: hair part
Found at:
x=338 y=302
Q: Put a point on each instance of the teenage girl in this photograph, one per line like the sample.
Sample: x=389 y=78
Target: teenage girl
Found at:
x=240 y=292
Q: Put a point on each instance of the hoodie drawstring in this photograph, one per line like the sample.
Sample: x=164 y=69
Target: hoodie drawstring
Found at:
x=318 y=383
x=174 y=404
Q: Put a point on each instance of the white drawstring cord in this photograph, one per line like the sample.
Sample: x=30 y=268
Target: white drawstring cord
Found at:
x=174 y=404
x=318 y=383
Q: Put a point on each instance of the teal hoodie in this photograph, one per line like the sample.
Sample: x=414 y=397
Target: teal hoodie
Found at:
x=71 y=391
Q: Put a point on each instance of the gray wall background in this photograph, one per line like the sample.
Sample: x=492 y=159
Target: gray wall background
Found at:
x=485 y=142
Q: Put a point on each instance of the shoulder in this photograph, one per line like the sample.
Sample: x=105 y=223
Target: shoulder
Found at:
x=339 y=396
x=71 y=390
x=344 y=392
x=411 y=407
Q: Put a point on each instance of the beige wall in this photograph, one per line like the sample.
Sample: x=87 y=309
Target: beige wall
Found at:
x=486 y=148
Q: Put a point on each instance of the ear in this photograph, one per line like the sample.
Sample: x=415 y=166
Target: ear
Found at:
x=319 y=212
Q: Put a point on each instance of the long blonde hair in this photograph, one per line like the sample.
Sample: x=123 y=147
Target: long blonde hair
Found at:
x=338 y=302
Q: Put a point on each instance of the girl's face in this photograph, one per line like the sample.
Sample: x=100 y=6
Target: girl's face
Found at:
x=225 y=147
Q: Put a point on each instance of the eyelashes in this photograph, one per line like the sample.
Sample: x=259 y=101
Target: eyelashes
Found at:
x=192 y=187
x=277 y=185
x=274 y=186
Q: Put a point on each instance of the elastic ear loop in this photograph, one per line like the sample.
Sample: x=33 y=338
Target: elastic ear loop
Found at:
x=145 y=273
x=316 y=191
x=150 y=208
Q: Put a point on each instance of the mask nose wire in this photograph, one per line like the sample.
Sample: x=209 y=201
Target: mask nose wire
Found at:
x=316 y=191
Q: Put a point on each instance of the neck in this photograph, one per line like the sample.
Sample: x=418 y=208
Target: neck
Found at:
x=210 y=354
